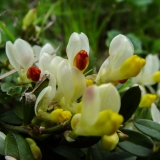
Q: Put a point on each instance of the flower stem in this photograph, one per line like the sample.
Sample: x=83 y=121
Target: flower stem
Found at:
x=57 y=128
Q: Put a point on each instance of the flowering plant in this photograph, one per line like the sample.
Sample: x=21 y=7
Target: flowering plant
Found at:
x=56 y=108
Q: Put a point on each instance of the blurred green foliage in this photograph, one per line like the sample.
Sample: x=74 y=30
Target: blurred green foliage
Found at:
x=100 y=20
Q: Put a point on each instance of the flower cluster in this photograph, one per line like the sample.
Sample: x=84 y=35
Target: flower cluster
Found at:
x=90 y=103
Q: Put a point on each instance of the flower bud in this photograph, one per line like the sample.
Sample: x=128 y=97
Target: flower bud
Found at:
x=33 y=73
x=29 y=18
x=109 y=142
x=35 y=149
x=122 y=136
x=81 y=60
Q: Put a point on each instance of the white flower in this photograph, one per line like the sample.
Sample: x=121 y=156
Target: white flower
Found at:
x=121 y=64
x=71 y=82
x=21 y=57
x=78 y=50
x=38 y=51
x=20 y=54
x=99 y=108
x=45 y=98
x=149 y=71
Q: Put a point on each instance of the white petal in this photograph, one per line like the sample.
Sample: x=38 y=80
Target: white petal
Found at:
x=36 y=51
x=79 y=83
x=2 y=142
x=44 y=63
x=151 y=66
x=73 y=47
x=104 y=72
x=25 y=52
x=52 y=83
x=155 y=113
x=43 y=99
x=10 y=158
x=120 y=49
x=84 y=42
x=90 y=105
x=12 y=55
x=47 y=48
x=54 y=65
x=110 y=98
x=66 y=82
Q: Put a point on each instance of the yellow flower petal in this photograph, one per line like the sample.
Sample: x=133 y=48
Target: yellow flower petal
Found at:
x=156 y=76
x=132 y=66
x=59 y=116
x=147 y=100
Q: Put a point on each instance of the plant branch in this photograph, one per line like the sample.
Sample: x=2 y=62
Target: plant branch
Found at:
x=14 y=128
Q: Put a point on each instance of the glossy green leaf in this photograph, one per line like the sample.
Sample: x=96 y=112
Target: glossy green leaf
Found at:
x=17 y=147
x=149 y=128
x=67 y=152
x=129 y=102
x=137 y=144
x=11 y=118
x=82 y=142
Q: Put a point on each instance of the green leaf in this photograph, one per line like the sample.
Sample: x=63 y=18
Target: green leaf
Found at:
x=18 y=110
x=137 y=144
x=111 y=34
x=136 y=42
x=11 y=118
x=97 y=152
x=149 y=128
x=15 y=91
x=17 y=147
x=141 y=3
x=4 y=98
x=67 y=152
x=6 y=86
x=120 y=156
x=82 y=142
x=28 y=111
x=129 y=102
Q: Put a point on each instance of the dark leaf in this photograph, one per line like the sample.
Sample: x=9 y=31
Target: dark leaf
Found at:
x=137 y=144
x=129 y=102
x=67 y=152
x=11 y=118
x=120 y=156
x=149 y=128
x=28 y=111
x=17 y=147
